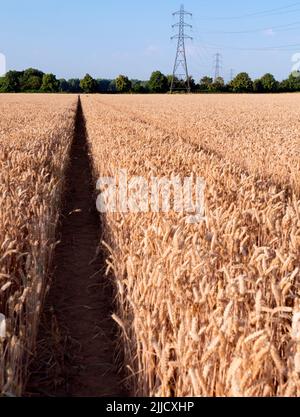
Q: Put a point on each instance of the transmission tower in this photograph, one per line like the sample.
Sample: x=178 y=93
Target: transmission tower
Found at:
x=180 y=70
x=217 y=65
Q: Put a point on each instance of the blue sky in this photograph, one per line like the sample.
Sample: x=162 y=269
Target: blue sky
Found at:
x=106 y=38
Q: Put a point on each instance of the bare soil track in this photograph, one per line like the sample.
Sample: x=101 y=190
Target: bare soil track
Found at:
x=75 y=352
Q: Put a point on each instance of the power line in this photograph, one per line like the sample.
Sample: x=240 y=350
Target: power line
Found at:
x=200 y=45
x=269 y=12
x=199 y=60
x=267 y=48
x=201 y=54
x=203 y=47
x=209 y=46
x=180 y=59
x=287 y=26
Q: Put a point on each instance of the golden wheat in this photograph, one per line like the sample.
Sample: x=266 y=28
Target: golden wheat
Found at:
x=254 y=132
x=208 y=309
x=36 y=133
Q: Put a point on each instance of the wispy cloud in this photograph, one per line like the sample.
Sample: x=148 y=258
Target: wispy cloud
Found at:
x=152 y=50
x=120 y=55
x=269 y=32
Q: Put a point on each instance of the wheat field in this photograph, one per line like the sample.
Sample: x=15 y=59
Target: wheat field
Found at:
x=36 y=133
x=206 y=309
x=210 y=309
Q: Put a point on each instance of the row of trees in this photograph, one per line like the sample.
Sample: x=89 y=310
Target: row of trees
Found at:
x=33 y=80
x=242 y=83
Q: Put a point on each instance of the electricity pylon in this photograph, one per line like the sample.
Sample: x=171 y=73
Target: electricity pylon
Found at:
x=180 y=70
x=217 y=65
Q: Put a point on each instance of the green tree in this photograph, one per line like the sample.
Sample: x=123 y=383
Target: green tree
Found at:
x=11 y=83
x=112 y=87
x=139 y=87
x=103 y=85
x=63 y=85
x=193 y=85
x=176 y=82
x=269 y=84
x=34 y=83
x=206 y=83
x=181 y=84
x=284 y=86
x=293 y=82
x=31 y=80
x=218 y=85
x=169 y=78
x=257 y=86
x=50 y=84
x=158 y=83
x=2 y=80
x=88 y=84
x=123 y=84
x=242 y=83
x=74 y=85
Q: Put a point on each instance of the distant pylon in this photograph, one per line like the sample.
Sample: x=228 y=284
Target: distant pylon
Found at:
x=180 y=70
x=217 y=64
x=231 y=74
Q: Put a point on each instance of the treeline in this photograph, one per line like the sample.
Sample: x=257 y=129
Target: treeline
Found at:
x=33 y=80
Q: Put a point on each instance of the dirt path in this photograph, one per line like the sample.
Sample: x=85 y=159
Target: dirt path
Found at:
x=77 y=342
